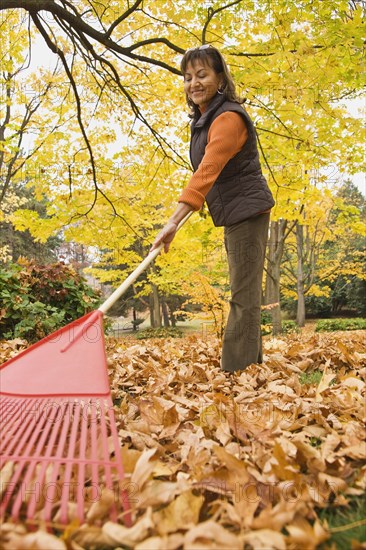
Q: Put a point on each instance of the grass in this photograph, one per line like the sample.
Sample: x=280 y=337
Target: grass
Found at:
x=346 y=523
x=310 y=378
x=331 y=325
x=162 y=332
x=314 y=377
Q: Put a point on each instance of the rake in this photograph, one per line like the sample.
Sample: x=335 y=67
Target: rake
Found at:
x=60 y=451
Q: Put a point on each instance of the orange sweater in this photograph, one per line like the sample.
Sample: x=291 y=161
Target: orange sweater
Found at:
x=226 y=136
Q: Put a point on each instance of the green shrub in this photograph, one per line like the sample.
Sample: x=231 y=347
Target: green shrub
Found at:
x=289 y=327
x=340 y=324
x=162 y=332
x=36 y=321
x=38 y=299
x=266 y=323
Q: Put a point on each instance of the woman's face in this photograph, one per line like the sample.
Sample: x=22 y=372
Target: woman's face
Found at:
x=201 y=83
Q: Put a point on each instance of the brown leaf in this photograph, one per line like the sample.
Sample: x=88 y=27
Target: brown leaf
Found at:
x=310 y=456
x=6 y=475
x=210 y=534
x=89 y=536
x=353 y=382
x=282 y=464
x=143 y=469
x=101 y=508
x=330 y=444
x=181 y=513
x=40 y=540
x=275 y=518
x=328 y=483
x=324 y=383
x=161 y=543
x=265 y=539
x=161 y=492
x=358 y=452
x=129 y=458
x=304 y=535
x=116 y=534
x=236 y=467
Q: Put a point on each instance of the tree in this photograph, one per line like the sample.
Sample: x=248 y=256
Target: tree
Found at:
x=344 y=254
x=319 y=251
x=294 y=63
x=23 y=97
x=277 y=237
x=15 y=244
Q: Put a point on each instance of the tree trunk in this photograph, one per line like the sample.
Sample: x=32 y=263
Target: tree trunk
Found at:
x=300 y=316
x=172 y=319
x=274 y=257
x=155 y=314
x=164 y=308
x=135 y=327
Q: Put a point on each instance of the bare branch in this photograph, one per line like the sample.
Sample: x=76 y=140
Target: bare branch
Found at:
x=269 y=54
x=122 y=17
x=278 y=134
x=211 y=13
x=156 y=41
x=77 y=23
x=135 y=109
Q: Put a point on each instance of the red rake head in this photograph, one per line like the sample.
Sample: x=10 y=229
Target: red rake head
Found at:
x=60 y=452
x=69 y=362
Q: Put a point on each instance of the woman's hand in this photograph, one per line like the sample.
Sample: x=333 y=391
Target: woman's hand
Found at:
x=169 y=230
x=165 y=236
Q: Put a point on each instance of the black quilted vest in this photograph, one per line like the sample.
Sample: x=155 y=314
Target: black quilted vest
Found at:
x=241 y=190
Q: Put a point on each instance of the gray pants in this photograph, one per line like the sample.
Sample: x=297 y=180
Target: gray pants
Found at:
x=245 y=244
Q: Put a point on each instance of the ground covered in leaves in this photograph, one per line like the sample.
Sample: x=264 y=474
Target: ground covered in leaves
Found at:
x=252 y=460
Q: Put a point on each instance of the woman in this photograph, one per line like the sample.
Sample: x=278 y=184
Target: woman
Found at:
x=227 y=174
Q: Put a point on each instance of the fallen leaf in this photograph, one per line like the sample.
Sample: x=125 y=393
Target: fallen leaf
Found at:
x=210 y=534
x=265 y=539
x=304 y=535
x=40 y=540
x=181 y=513
x=100 y=509
x=324 y=383
x=143 y=469
x=6 y=474
x=116 y=534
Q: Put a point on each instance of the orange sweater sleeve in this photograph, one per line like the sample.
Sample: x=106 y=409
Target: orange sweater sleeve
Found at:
x=226 y=136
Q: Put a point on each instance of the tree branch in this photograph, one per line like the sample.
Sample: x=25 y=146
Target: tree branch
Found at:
x=122 y=18
x=135 y=109
x=278 y=134
x=269 y=54
x=156 y=41
x=77 y=23
x=211 y=13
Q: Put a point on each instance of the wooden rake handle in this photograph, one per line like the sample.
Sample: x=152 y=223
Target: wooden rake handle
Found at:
x=136 y=273
x=119 y=291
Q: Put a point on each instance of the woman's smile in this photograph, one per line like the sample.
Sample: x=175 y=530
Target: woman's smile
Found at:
x=201 y=83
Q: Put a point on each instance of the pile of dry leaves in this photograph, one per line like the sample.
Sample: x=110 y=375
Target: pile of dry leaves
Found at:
x=228 y=461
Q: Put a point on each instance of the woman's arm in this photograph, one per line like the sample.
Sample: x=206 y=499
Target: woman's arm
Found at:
x=226 y=136
x=168 y=232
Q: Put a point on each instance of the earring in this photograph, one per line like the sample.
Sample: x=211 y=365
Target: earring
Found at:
x=220 y=91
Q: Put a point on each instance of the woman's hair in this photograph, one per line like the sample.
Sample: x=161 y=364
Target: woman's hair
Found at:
x=208 y=55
